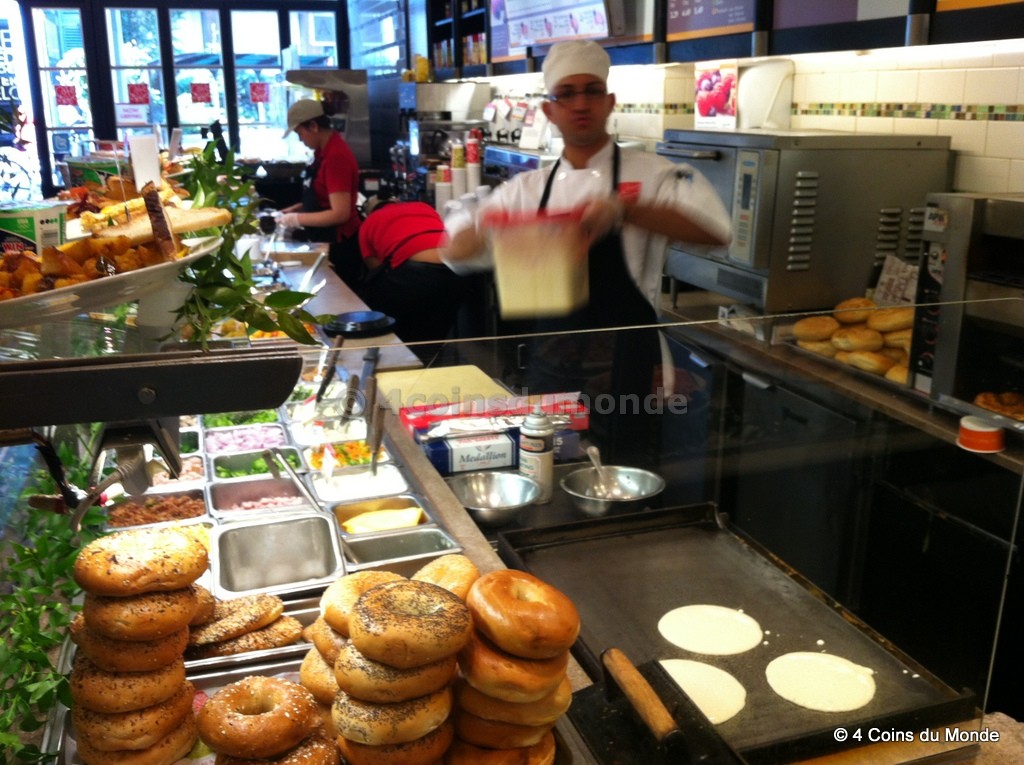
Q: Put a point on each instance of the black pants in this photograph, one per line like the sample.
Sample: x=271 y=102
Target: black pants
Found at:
x=347 y=261
x=423 y=298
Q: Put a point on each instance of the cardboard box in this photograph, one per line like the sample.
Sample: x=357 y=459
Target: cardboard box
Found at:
x=471 y=453
x=31 y=225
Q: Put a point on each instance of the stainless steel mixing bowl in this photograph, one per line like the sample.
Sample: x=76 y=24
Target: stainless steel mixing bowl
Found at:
x=622 y=488
x=494 y=498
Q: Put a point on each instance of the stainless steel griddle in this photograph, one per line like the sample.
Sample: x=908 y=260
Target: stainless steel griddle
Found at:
x=624 y=572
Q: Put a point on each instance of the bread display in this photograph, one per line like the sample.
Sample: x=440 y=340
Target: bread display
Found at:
x=131 y=701
x=862 y=335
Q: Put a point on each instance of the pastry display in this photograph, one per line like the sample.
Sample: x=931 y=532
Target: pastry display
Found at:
x=863 y=335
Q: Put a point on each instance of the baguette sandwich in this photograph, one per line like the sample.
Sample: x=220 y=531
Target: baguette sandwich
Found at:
x=182 y=220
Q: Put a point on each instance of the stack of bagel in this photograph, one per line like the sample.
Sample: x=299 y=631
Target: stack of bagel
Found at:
x=513 y=685
x=131 y=701
x=384 y=657
x=866 y=336
x=249 y=623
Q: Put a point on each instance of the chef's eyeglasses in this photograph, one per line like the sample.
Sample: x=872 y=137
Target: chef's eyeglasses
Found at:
x=589 y=94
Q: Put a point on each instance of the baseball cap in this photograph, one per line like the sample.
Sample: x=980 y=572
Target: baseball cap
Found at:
x=303 y=110
x=571 y=57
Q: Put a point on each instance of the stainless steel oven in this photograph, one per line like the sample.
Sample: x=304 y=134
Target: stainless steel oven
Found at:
x=814 y=213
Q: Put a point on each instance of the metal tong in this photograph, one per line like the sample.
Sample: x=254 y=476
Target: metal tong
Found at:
x=375 y=435
x=331 y=367
x=275 y=459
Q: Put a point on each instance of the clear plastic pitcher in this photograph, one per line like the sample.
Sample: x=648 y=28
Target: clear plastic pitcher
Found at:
x=540 y=263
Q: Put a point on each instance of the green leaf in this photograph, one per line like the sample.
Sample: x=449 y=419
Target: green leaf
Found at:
x=284 y=299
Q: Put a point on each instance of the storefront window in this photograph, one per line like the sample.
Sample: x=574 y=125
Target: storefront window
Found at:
x=133 y=39
x=64 y=81
x=314 y=34
x=259 y=81
x=198 y=71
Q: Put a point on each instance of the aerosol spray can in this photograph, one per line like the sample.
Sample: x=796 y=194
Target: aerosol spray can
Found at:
x=537 y=452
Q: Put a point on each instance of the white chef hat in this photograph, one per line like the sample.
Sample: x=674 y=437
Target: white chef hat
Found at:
x=571 y=57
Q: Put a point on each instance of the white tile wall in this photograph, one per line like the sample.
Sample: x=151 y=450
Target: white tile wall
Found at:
x=990 y=153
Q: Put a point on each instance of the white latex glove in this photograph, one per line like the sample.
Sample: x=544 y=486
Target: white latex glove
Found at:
x=601 y=217
x=289 y=220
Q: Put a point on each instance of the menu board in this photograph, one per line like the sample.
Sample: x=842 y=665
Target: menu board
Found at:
x=519 y=24
x=959 y=5
x=708 y=18
x=788 y=14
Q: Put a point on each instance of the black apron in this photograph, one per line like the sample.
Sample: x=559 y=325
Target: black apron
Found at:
x=614 y=370
x=342 y=252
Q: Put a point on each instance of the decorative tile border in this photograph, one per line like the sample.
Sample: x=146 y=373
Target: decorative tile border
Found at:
x=669 y=109
x=966 y=112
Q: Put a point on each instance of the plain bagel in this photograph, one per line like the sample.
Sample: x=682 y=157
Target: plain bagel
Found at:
x=523 y=615
x=544 y=711
x=464 y=753
x=511 y=678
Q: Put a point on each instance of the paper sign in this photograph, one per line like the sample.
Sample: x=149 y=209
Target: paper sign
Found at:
x=259 y=92
x=201 y=93
x=138 y=93
x=715 y=96
x=145 y=156
x=132 y=114
x=66 y=95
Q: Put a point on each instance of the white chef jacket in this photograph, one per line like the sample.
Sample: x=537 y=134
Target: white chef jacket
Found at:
x=653 y=178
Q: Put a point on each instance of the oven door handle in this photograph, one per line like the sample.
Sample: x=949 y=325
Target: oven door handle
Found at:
x=712 y=155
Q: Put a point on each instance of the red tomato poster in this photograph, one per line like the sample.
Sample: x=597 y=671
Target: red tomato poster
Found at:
x=715 y=97
x=66 y=95
x=138 y=93
x=259 y=92
x=201 y=93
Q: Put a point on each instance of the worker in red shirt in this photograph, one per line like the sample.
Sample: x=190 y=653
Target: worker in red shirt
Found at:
x=329 y=209
x=400 y=243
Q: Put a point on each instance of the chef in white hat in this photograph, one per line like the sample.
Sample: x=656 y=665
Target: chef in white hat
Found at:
x=633 y=204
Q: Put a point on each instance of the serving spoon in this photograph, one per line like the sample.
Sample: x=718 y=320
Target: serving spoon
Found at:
x=601 y=488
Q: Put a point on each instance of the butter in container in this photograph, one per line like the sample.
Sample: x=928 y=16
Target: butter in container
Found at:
x=476 y=452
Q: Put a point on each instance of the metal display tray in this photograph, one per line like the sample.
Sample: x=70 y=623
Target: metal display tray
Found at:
x=58 y=732
x=624 y=572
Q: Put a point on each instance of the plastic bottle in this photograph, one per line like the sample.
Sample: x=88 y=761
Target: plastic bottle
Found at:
x=537 y=452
